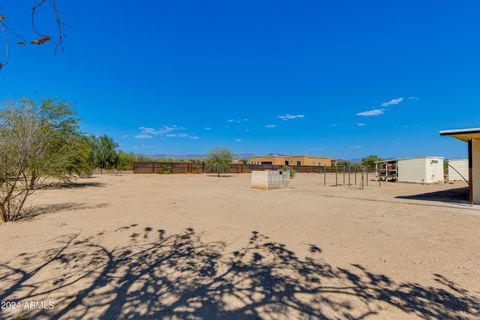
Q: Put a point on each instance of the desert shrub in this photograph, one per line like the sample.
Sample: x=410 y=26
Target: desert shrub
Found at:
x=292 y=171
x=165 y=168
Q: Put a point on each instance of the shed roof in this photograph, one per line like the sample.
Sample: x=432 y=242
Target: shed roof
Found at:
x=400 y=159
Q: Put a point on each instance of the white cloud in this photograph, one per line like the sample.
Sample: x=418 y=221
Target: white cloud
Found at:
x=288 y=116
x=177 y=135
x=270 y=126
x=148 y=130
x=160 y=131
x=164 y=132
x=413 y=98
x=392 y=102
x=360 y=124
x=238 y=140
x=143 y=136
x=371 y=113
x=237 y=121
x=181 y=135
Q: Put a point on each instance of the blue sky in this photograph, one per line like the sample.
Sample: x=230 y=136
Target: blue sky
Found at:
x=336 y=78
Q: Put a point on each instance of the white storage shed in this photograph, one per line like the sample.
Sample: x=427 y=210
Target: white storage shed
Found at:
x=414 y=170
x=458 y=170
x=421 y=170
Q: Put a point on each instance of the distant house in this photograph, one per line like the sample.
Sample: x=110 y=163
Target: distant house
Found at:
x=305 y=160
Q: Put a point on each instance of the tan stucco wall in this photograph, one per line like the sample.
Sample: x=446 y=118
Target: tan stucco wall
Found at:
x=305 y=160
x=476 y=171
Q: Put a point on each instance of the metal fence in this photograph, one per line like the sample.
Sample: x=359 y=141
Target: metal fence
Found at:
x=200 y=167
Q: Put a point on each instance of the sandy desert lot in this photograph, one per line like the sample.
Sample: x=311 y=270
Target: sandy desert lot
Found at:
x=202 y=247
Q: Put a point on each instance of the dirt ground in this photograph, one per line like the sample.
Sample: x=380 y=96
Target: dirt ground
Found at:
x=202 y=247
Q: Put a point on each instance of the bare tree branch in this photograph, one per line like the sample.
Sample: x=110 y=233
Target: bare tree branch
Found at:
x=42 y=38
x=34 y=10
x=59 y=27
x=45 y=38
x=5 y=39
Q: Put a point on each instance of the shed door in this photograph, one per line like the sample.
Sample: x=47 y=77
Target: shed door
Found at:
x=434 y=165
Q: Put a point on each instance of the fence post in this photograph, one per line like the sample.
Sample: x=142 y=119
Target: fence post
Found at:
x=153 y=167
x=324 y=176
x=362 y=183
x=203 y=166
x=355 y=169
x=349 y=176
x=336 y=176
x=366 y=169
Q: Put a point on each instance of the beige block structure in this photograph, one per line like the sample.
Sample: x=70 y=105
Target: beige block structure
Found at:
x=270 y=179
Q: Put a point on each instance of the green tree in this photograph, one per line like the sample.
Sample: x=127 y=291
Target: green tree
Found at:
x=80 y=163
x=343 y=163
x=370 y=160
x=104 y=154
x=126 y=160
x=38 y=143
x=219 y=161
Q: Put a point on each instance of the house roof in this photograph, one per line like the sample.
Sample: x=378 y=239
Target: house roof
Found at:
x=291 y=156
x=462 y=134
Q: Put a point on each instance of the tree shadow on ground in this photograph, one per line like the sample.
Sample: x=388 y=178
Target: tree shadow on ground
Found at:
x=456 y=195
x=179 y=276
x=223 y=175
x=52 y=208
x=58 y=185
